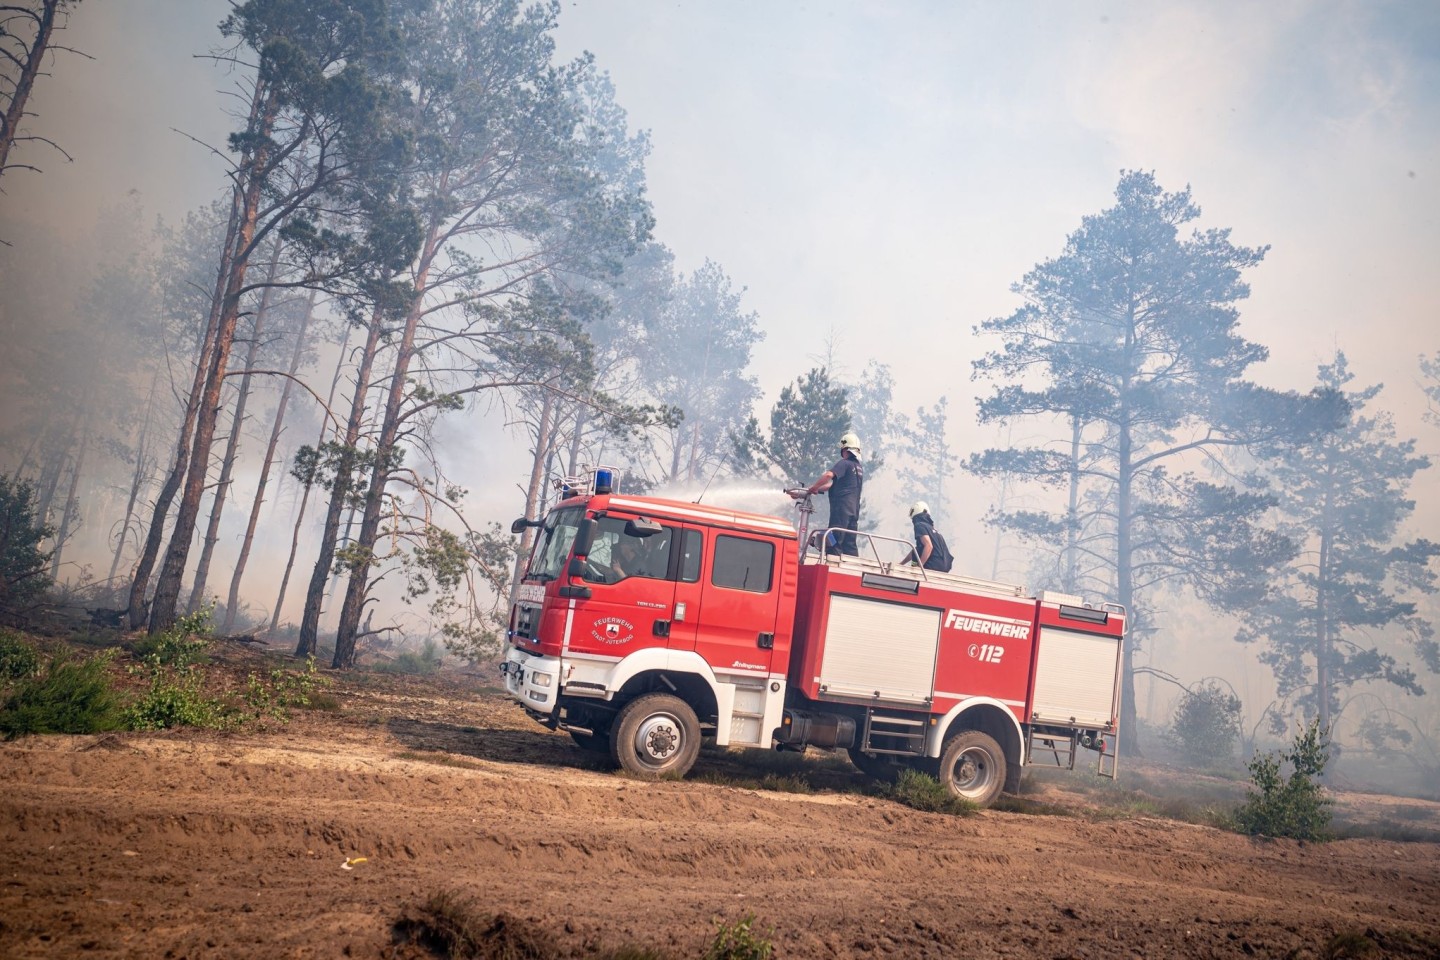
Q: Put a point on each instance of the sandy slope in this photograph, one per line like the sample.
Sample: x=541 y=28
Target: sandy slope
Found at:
x=234 y=846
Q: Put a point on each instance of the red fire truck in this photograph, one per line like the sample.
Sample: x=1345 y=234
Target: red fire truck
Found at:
x=642 y=626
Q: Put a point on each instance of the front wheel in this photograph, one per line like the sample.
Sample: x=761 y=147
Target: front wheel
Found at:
x=656 y=735
x=972 y=766
x=882 y=767
x=591 y=742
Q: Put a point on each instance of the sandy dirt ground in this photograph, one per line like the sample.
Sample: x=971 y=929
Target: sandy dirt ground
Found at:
x=327 y=836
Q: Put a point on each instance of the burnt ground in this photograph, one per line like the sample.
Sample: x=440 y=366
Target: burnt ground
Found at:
x=327 y=836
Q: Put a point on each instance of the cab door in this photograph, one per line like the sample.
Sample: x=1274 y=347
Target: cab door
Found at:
x=632 y=597
x=739 y=593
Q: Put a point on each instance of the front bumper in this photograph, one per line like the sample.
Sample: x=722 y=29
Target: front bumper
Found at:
x=533 y=681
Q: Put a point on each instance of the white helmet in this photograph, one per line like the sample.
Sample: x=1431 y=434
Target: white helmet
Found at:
x=850 y=442
x=917 y=508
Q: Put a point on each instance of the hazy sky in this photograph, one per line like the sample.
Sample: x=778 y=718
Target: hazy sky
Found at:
x=882 y=172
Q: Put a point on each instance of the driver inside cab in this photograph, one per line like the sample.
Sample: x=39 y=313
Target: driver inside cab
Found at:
x=625 y=556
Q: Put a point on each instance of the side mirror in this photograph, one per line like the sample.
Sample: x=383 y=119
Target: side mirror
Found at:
x=641 y=527
x=585 y=536
x=521 y=525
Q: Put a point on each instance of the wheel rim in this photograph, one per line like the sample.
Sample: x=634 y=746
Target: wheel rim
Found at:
x=659 y=740
x=974 y=773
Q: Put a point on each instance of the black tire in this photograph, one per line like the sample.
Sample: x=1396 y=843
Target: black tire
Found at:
x=591 y=742
x=878 y=766
x=972 y=766
x=656 y=735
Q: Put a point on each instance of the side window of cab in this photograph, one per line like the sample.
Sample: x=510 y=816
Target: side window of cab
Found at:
x=743 y=564
x=616 y=555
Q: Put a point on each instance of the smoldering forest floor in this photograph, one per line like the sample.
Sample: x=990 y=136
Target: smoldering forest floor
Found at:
x=320 y=838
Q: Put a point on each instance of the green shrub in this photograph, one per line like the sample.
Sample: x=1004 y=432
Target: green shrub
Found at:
x=69 y=696
x=738 y=941
x=183 y=644
x=924 y=792
x=426 y=661
x=177 y=698
x=272 y=696
x=1293 y=806
x=18 y=657
x=1206 y=725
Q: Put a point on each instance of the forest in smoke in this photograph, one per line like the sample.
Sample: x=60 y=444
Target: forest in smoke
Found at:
x=434 y=232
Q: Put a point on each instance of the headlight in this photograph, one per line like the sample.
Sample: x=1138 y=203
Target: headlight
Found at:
x=541 y=679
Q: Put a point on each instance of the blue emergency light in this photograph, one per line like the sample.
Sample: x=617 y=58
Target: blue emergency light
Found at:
x=604 y=481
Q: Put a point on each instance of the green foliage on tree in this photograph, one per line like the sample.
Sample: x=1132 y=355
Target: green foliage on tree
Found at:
x=1292 y=805
x=694 y=357
x=1206 y=724
x=803 y=441
x=1430 y=383
x=1343 y=497
x=23 y=577
x=1126 y=361
x=926 y=460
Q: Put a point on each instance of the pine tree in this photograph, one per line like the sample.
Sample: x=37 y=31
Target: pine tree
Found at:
x=1343 y=497
x=1128 y=344
x=806 y=424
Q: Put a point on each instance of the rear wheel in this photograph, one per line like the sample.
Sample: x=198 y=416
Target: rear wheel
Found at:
x=656 y=735
x=972 y=766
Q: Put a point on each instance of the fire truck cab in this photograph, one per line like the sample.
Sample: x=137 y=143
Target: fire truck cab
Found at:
x=642 y=626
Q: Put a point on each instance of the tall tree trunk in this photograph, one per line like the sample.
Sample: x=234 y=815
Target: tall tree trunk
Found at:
x=299 y=513
x=167 y=587
x=136 y=482
x=57 y=458
x=364 y=546
x=533 y=488
x=1124 y=569
x=180 y=460
x=232 y=443
x=233 y=598
x=1324 y=634
x=62 y=533
x=339 y=491
x=29 y=70
x=1072 y=533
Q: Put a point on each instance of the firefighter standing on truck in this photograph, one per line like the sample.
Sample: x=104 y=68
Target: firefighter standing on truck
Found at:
x=843 y=481
x=931 y=551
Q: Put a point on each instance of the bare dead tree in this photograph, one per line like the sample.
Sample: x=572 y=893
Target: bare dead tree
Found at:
x=27 y=34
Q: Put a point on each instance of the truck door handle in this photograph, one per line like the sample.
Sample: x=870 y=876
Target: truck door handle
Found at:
x=662 y=628
x=766 y=641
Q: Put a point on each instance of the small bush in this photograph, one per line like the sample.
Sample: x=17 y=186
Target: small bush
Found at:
x=69 y=696
x=177 y=698
x=1293 y=806
x=274 y=695
x=184 y=644
x=739 y=941
x=924 y=792
x=18 y=657
x=421 y=663
x=1206 y=726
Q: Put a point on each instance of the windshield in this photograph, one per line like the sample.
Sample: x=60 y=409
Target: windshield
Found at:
x=553 y=547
